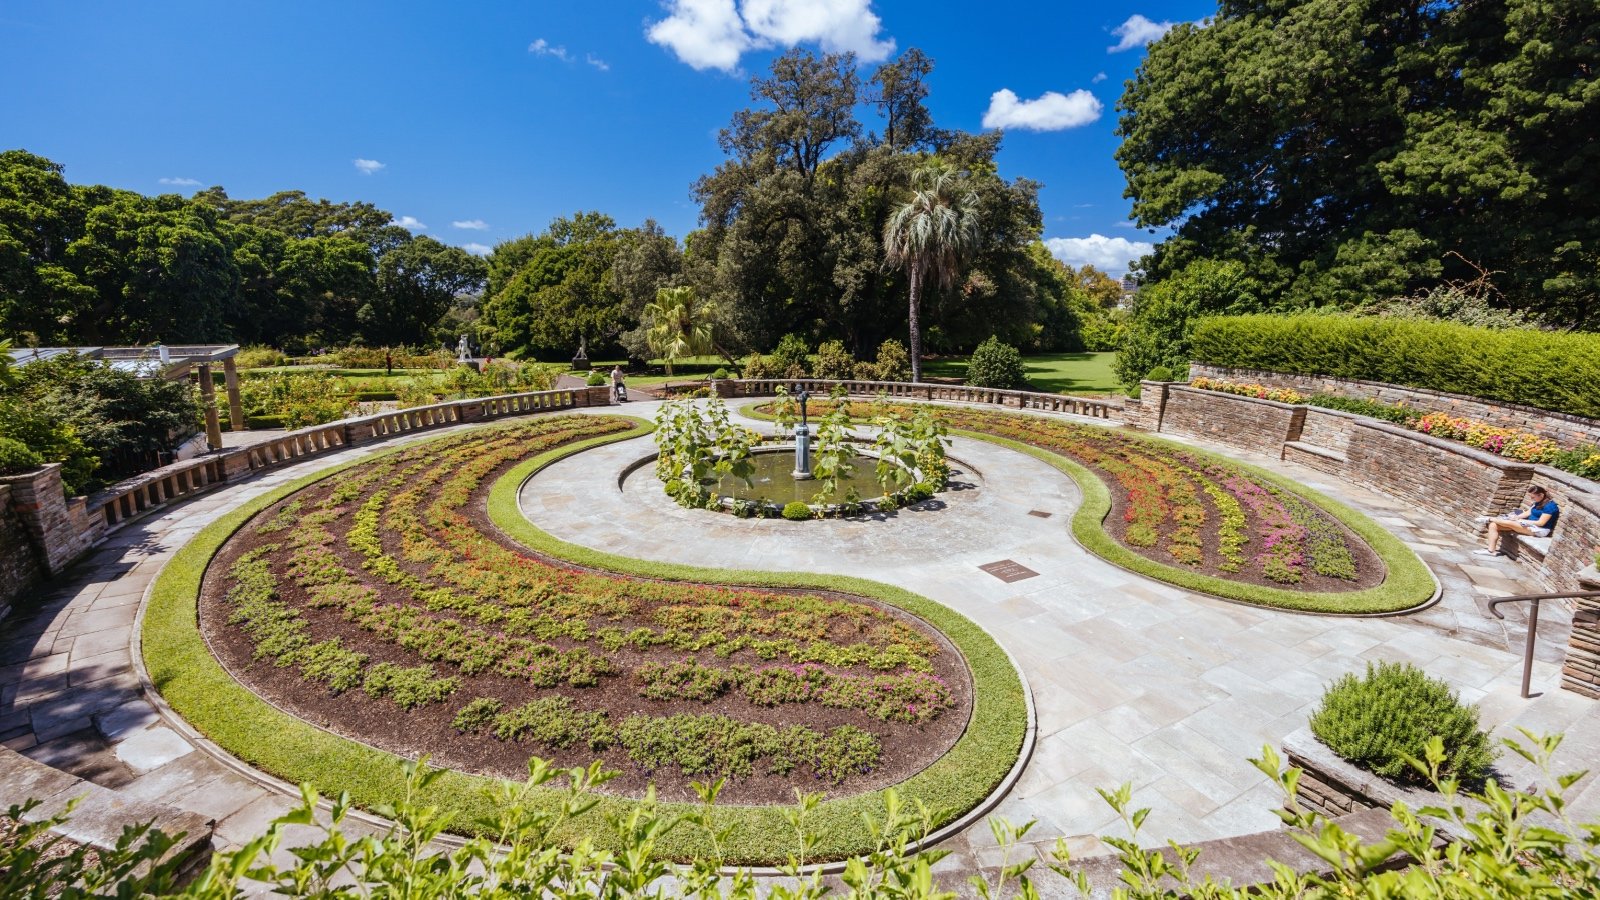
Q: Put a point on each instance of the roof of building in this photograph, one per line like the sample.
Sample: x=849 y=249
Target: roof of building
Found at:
x=146 y=362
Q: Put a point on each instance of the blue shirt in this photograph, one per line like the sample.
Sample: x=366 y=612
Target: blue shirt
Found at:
x=1549 y=506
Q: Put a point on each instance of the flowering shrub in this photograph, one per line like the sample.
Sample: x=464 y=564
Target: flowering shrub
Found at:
x=1260 y=392
x=1507 y=442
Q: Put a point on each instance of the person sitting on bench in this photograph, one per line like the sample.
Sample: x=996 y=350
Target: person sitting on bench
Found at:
x=1535 y=520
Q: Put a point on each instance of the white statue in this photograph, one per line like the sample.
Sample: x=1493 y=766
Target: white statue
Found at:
x=463 y=352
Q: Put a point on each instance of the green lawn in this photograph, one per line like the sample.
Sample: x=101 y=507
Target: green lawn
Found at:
x=1058 y=373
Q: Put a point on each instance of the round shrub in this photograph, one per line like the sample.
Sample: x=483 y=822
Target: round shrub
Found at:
x=995 y=365
x=595 y=379
x=720 y=374
x=835 y=362
x=15 y=457
x=894 y=362
x=1378 y=720
x=1159 y=373
x=796 y=511
x=758 y=366
x=791 y=354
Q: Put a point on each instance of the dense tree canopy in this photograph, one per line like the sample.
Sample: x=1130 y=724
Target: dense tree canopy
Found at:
x=1346 y=151
x=94 y=265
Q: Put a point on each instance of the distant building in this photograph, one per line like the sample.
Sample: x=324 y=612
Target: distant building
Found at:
x=1130 y=289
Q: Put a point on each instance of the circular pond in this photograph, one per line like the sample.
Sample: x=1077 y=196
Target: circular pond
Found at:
x=773 y=480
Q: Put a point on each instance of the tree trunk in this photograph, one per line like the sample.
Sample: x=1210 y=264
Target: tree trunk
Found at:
x=915 y=328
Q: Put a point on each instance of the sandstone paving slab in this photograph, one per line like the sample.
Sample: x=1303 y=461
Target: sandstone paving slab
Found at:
x=151 y=748
x=126 y=719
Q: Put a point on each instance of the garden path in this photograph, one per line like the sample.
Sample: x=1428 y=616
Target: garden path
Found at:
x=1132 y=680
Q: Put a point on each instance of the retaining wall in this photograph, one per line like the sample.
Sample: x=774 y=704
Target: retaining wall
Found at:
x=1564 y=429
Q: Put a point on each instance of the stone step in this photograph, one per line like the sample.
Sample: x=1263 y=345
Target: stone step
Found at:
x=101 y=814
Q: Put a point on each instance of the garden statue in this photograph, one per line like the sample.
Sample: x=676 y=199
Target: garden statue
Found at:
x=802 y=442
x=580 y=362
x=463 y=351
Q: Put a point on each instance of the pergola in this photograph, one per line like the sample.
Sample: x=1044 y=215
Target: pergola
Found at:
x=172 y=362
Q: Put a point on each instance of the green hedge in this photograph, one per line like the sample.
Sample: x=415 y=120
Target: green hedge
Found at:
x=198 y=688
x=1549 y=370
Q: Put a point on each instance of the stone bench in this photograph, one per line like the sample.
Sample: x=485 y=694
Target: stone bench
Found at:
x=1537 y=547
x=101 y=814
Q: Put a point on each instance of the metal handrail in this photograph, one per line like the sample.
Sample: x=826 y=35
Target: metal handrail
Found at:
x=1533 y=625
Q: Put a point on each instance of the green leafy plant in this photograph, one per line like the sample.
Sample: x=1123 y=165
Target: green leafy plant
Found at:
x=15 y=457
x=1383 y=721
x=996 y=365
x=792 y=354
x=595 y=379
x=299 y=400
x=834 y=361
x=797 y=511
x=1159 y=373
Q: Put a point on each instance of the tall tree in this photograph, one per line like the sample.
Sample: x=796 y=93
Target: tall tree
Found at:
x=417 y=281
x=551 y=292
x=929 y=237
x=1343 y=151
x=898 y=89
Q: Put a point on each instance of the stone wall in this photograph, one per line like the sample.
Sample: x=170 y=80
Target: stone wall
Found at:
x=60 y=528
x=20 y=567
x=1336 y=788
x=1242 y=422
x=1559 y=427
x=1455 y=482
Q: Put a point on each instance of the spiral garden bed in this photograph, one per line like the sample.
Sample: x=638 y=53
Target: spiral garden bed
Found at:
x=1207 y=523
x=382 y=604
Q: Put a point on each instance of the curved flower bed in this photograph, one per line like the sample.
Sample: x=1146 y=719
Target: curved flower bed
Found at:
x=382 y=602
x=1212 y=524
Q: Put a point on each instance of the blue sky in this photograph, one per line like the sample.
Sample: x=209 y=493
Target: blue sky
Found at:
x=475 y=123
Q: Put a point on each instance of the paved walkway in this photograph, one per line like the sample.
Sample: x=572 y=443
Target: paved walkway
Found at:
x=1133 y=680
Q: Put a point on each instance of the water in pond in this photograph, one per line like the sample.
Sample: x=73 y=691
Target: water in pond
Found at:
x=774 y=481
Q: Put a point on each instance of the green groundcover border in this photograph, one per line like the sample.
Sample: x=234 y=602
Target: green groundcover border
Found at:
x=194 y=683
x=1406 y=585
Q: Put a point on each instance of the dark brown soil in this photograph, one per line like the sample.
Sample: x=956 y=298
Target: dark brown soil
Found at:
x=906 y=749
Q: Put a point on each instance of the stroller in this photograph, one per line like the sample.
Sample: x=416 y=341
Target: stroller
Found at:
x=621 y=392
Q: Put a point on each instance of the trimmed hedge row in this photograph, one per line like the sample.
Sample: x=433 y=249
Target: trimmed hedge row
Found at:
x=1549 y=370
x=197 y=687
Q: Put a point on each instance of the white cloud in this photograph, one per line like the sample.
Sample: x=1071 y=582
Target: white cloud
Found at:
x=368 y=166
x=543 y=47
x=597 y=62
x=838 y=25
x=713 y=34
x=410 y=222
x=477 y=249
x=1098 y=77
x=706 y=34
x=470 y=224
x=1110 y=255
x=1051 y=112
x=180 y=182
x=1136 y=32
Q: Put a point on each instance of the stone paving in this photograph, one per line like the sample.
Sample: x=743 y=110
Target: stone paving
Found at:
x=1133 y=680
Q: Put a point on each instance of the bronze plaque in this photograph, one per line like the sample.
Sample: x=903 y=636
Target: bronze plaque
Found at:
x=1008 y=570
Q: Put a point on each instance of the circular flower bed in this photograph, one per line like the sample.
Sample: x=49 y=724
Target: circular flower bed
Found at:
x=382 y=603
x=1204 y=522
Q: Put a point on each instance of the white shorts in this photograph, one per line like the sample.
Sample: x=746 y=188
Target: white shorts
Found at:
x=1537 y=531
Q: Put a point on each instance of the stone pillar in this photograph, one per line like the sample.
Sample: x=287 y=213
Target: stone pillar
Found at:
x=230 y=379
x=208 y=396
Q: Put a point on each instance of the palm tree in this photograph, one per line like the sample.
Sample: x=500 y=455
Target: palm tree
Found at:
x=680 y=324
x=929 y=237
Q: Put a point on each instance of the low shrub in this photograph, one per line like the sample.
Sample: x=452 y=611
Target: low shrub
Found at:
x=1159 y=373
x=258 y=356
x=791 y=354
x=996 y=365
x=1558 y=371
x=1383 y=720
x=865 y=371
x=758 y=366
x=595 y=379
x=720 y=374
x=835 y=362
x=299 y=400
x=797 y=511
x=894 y=362
x=15 y=457
x=477 y=715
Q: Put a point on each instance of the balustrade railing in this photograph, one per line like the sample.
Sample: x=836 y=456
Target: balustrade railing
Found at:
x=134 y=497
x=956 y=393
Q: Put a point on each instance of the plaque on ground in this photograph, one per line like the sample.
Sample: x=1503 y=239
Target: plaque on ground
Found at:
x=1008 y=570
x=1039 y=513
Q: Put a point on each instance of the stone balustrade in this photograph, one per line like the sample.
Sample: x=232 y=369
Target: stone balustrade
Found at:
x=58 y=529
x=899 y=390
